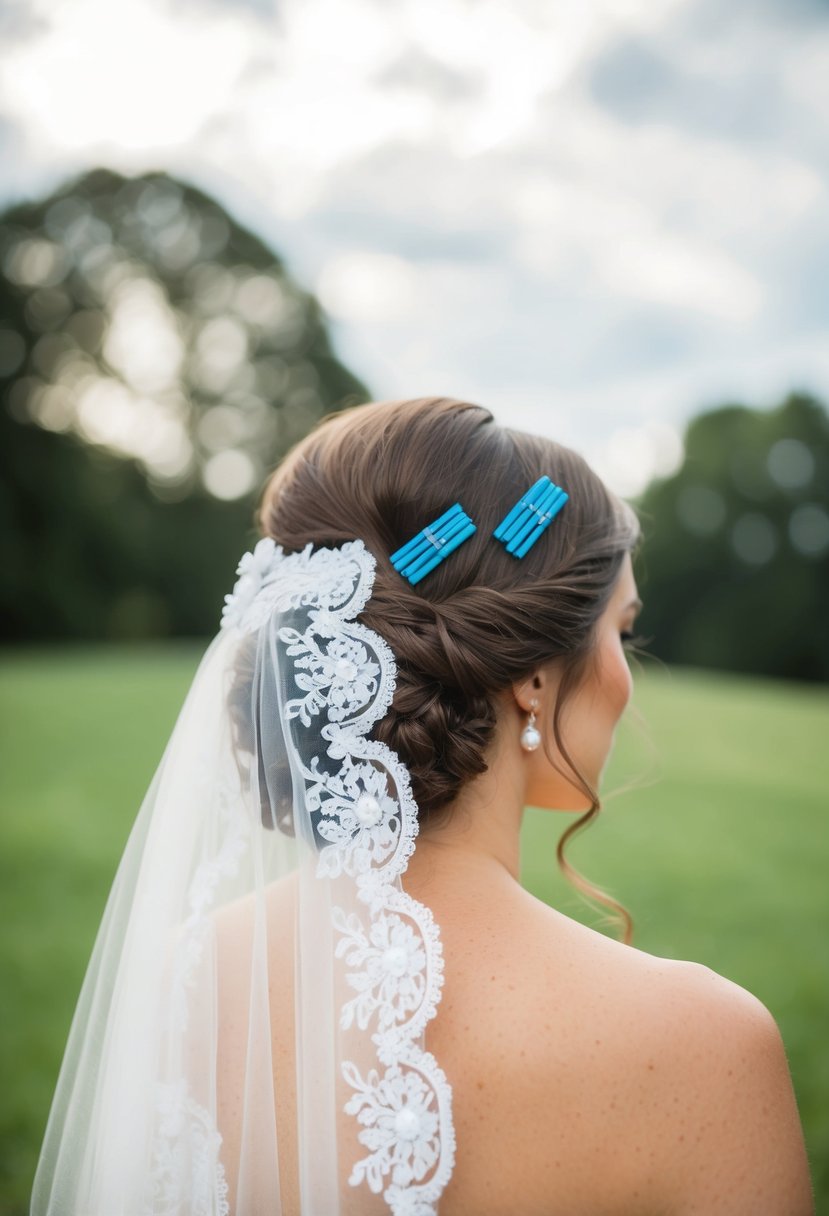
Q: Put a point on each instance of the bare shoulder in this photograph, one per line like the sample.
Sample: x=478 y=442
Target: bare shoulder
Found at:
x=634 y=1083
x=698 y=1066
x=724 y=1101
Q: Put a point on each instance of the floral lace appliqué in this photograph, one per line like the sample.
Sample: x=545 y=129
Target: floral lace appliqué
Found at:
x=400 y=1113
x=392 y=961
x=340 y=678
x=359 y=818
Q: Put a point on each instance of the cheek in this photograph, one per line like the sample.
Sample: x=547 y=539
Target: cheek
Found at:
x=623 y=684
x=617 y=680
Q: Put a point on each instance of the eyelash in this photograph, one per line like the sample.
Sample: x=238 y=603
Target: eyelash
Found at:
x=630 y=640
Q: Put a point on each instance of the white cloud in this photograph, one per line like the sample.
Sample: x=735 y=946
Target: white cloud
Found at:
x=367 y=288
x=122 y=76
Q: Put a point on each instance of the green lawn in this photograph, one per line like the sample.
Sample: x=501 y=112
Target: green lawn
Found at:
x=719 y=848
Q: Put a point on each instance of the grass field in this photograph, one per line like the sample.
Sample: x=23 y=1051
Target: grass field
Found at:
x=719 y=847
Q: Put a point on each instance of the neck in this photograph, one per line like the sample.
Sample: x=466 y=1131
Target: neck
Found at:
x=482 y=827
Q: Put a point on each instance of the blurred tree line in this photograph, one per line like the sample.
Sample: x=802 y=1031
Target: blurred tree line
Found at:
x=157 y=360
x=735 y=564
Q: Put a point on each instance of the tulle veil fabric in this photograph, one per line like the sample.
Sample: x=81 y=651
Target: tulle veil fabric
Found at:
x=250 y=1034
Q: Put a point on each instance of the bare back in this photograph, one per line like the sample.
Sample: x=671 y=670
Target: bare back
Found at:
x=589 y=1078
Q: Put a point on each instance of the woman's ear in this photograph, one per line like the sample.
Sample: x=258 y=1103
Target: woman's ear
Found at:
x=535 y=688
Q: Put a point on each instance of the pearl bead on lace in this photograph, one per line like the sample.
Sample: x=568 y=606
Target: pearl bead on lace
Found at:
x=395 y=960
x=368 y=810
x=407 y=1124
x=345 y=669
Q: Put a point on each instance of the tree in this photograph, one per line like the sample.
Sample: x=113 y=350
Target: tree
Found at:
x=156 y=361
x=736 y=544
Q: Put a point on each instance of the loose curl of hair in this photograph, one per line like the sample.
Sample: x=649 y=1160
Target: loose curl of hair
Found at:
x=482 y=619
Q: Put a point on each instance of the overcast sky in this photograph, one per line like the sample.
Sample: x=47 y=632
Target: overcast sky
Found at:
x=594 y=217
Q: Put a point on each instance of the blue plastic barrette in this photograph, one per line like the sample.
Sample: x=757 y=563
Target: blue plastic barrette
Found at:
x=521 y=527
x=432 y=544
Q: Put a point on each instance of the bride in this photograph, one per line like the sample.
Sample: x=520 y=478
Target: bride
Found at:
x=319 y=987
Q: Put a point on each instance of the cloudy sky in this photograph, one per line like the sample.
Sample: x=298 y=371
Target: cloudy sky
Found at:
x=594 y=216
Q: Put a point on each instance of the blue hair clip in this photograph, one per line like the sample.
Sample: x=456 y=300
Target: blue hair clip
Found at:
x=432 y=544
x=521 y=527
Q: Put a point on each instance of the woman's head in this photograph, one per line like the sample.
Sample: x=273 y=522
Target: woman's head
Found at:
x=470 y=638
x=590 y=712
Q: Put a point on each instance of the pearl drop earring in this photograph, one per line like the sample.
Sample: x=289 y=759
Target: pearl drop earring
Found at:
x=530 y=738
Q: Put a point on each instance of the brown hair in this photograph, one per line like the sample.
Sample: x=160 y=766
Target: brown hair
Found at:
x=482 y=619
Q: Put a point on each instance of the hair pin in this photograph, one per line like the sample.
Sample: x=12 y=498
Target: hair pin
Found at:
x=437 y=540
x=523 y=524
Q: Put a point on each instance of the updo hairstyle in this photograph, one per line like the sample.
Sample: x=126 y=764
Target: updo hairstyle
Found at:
x=482 y=619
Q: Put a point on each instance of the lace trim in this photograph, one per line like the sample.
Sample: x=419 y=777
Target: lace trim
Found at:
x=394 y=954
x=186 y=1173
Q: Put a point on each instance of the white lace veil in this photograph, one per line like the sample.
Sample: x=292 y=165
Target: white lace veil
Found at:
x=249 y=1038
